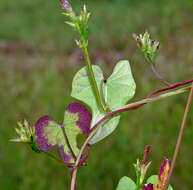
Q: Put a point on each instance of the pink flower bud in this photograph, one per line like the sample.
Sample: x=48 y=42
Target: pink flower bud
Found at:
x=65 y=4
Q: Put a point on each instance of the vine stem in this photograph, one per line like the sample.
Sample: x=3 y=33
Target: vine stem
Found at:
x=74 y=172
x=181 y=132
x=154 y=69
x=158 y=75
x=93 y=80
x=128 y=107
x=171 y=87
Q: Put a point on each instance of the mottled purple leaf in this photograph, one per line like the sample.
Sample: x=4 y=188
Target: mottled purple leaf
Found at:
x=50 y=135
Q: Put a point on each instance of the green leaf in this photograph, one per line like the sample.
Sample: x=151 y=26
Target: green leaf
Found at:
x=154 y=180
x=50 y=135
x=105 y=130
x=126 y=183
x=118 y=90
x=82 y=88
x=120 y=86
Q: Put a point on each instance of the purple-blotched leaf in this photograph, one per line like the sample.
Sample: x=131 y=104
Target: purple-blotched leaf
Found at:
x=50 y=135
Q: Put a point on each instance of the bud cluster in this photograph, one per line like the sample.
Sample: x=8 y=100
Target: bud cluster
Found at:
x=148 y=47
x=79 y=23
x=25 y=131
x=26 y=135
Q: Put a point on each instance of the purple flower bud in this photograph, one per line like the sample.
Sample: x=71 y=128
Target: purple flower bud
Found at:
x=65 y=4
x=148 y=187
x=163 y=173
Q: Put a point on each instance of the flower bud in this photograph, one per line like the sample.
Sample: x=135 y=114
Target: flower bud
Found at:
x=137 y=167
x=26 y=135
x=149 y=47
x=148 y=187
x=65 y=4
x=163 y=174
x=144 y=165
x=144 y=168
x=25 y=131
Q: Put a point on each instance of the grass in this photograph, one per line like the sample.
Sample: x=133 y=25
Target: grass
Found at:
x=38 y=82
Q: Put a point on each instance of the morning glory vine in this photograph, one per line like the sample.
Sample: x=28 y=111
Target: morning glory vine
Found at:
x=96 y=113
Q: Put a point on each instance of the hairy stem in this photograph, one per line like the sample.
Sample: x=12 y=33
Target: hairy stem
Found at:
x=180 y=135
x=91 y=73
x=128 y=107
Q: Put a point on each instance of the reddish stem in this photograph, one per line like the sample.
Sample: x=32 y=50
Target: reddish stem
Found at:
x=92 y=131
x=138 y=106
x=181 y=132
x=171 y=87
x=158 y=75
x=67 y=142
x=145 y=153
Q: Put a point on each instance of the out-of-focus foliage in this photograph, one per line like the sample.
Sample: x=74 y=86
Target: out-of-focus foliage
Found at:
x=38 y=59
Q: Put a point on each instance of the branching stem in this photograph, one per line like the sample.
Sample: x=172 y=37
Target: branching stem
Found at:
x=180 y=135
x=128 y=107
x=171 y=87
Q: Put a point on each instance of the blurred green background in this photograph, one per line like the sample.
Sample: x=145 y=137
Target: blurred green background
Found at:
x=38 y=58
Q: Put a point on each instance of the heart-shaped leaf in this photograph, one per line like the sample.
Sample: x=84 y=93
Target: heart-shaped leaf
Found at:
x=50 y=135
x=118 y=89
x=120 y=86
x=126 y=183
x=82 y=87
